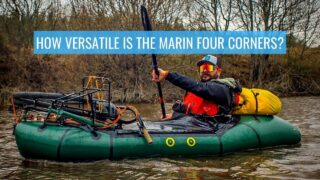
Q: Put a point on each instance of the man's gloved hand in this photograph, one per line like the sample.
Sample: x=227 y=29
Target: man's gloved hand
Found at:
x=162 y=75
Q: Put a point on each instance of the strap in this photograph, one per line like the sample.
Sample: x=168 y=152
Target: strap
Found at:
x=256 y=99
x=220 y=146
x=112 y=136
x=61 y=141
x=255 y=132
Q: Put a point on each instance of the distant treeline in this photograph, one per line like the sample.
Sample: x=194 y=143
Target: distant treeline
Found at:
x=296 y=73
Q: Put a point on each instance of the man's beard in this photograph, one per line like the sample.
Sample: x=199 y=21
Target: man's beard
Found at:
x=215 y=76
x=206 y=80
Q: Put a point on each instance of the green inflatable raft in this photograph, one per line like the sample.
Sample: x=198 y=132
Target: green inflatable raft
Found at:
x=71 y=143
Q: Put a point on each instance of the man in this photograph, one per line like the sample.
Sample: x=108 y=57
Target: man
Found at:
x=209 y=97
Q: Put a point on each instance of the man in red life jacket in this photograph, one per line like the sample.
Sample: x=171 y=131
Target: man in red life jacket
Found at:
x=210 y=96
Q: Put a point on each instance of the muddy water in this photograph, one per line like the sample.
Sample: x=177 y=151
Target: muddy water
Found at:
x=298 y=162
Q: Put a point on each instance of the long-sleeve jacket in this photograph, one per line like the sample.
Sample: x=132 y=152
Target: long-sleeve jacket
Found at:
x=211 y=90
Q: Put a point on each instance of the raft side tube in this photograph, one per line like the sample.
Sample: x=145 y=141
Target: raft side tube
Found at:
x=31 y=95
x=38 y=143
x=273 y=130
x=66 y=143
x=80 y=145
x=135 y=146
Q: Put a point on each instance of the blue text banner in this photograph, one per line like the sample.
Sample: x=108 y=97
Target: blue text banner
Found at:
x=159 y=42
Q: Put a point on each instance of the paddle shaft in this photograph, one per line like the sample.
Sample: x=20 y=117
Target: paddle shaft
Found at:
x=147 y=27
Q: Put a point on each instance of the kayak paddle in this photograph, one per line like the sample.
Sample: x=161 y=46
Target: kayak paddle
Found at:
x=147 y=27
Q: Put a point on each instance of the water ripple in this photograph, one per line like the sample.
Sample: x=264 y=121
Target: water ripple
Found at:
x=297 y=162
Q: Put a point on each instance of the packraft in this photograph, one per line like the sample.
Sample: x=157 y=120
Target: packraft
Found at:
x=184 y=137
x=257 y=101
x=86 y=126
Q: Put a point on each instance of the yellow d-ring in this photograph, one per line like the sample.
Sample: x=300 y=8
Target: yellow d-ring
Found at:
x=191 y=141
x=170 y=142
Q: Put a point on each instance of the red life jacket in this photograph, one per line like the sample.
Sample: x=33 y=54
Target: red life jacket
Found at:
x=198 y=106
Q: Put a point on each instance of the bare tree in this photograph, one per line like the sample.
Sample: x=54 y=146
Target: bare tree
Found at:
x=213 y=14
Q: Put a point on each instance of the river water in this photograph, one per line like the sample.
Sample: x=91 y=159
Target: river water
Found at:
x=296 y=162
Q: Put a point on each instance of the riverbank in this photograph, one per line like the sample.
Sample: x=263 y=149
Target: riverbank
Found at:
x=130 y=75
x=131 y=79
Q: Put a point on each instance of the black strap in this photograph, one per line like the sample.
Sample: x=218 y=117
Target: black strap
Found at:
x=220 y=145
x=60 y=143
x=256 y=133
x=256 y=99
x=112 y=135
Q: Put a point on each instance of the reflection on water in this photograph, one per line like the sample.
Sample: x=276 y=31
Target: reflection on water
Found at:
x=281 y=163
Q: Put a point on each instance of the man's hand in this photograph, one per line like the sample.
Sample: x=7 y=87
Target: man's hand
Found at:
x=162 y=75
x=168 y=117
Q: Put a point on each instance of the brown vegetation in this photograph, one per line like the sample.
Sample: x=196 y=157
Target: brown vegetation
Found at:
x=295 y=73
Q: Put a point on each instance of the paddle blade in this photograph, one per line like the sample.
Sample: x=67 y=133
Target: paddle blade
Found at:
x=145 y=19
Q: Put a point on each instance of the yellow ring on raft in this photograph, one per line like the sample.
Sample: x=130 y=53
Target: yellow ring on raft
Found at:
x=170 y=142
x=191 y=141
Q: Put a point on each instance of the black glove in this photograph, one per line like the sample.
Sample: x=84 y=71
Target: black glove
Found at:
x=178 y=106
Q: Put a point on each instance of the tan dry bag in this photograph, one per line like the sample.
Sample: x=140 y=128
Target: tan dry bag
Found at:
x=257 y=101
